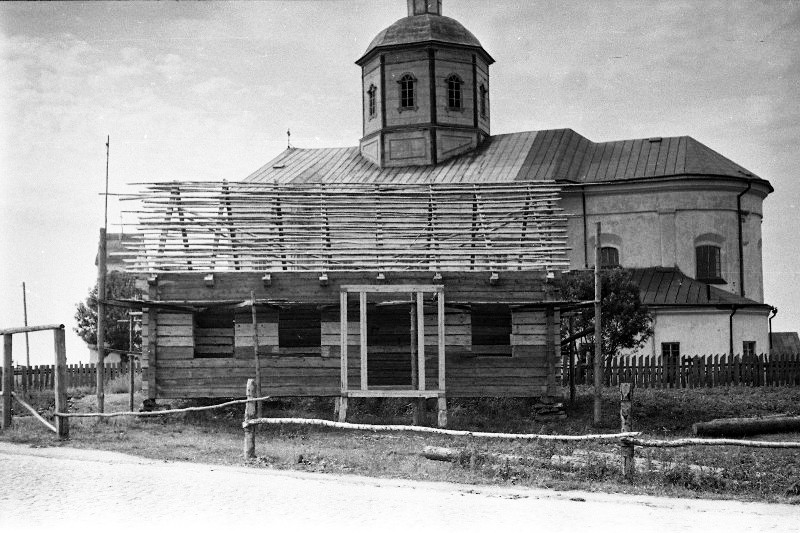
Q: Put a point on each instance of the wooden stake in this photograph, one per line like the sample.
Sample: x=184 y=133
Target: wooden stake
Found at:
x=598 y=331
x=249 y=414
x=626 y=423
x=8 y=379
x=418 y=411
x=571 y=362
x=255 y=350
x=60 y=383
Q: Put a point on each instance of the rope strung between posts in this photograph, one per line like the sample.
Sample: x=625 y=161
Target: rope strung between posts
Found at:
x=707 y=442
x=159 y=413
x=438 y=431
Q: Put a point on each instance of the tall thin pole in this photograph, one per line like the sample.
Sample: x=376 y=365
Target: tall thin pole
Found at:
x=25 y=313
x=255 y=350
x=131 y=379
x=101 y=296
x=598 y=330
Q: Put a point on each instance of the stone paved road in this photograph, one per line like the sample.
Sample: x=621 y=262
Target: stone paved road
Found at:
x=63 y=489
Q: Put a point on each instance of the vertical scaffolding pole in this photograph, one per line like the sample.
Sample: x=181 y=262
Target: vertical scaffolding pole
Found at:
x=598 y=330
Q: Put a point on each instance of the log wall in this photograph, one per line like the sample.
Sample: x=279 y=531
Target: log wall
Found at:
x=524 y=366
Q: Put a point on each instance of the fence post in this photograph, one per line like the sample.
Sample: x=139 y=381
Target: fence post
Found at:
x=131 y=380
x=249 y=414
x=8 y=377
x=60 y=383
x=626 y=423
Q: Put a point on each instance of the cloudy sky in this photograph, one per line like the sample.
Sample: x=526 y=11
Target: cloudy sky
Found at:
x=206 y=91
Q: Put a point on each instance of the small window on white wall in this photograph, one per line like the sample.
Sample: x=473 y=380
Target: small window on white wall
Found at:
x=708 y=258
x=709 y=263
x=609 y=257
x=749 y=348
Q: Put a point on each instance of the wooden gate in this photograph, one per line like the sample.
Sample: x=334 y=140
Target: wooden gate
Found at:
x=61 y=426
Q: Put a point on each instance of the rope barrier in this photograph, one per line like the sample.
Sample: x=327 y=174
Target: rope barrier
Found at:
x=647 y=443
x=159 y=413
x=438 y=431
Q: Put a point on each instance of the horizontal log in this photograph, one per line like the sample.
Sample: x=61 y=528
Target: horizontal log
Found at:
x=742 y=427
x=30 y=329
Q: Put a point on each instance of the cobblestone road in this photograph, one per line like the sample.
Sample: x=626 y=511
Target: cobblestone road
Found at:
x=64 y=489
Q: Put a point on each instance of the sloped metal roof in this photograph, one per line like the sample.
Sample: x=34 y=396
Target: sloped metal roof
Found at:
x=560 y=154
x=785 y=342
x=670 y=287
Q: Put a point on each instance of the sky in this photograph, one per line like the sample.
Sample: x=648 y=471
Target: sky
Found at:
x=206 y=91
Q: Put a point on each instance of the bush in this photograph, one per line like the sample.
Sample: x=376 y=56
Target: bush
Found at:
x=121 y=384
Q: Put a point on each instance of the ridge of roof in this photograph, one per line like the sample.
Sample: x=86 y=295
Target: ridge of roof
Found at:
x=555 y=154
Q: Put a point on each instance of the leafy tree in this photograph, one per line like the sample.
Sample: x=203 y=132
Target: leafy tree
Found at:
x=118 y=285
x=626 y=322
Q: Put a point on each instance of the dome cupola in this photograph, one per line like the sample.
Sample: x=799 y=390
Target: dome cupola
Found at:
x=425 y=83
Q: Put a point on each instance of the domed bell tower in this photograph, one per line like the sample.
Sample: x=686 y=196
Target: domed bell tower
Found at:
x=425 y=87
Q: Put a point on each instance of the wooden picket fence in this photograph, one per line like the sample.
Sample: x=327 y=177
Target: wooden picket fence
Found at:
x=695 y=371
x=40 y=377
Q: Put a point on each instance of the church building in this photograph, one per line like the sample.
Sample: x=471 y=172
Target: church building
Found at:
x=684 y=218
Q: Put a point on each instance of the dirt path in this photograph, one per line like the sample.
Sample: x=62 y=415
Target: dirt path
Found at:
x=64 y=489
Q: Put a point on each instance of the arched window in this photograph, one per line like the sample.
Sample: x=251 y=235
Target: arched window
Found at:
x=454 y=100
x=709 y=263
x=407 y=89
x=609 y=257
x=372 y=108
x=483 y=95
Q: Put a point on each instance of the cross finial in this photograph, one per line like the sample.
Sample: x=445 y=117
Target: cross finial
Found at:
x=288 y=139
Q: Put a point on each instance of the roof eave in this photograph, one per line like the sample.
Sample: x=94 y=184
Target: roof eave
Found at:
x=361 y=61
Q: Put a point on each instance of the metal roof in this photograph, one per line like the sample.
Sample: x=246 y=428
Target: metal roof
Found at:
x=664 y=286
x=785 y=342
x=424 y=29
x=561 y=155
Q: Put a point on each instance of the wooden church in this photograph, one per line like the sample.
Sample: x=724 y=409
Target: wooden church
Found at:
x=421 y=264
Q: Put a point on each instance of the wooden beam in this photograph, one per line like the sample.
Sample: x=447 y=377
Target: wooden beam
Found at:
x=395 y=393
x=60 y=383
x=421 y=341
x=441 y=338
x=362 y=309
x=11 y=331
x=256 y=361
x=8 y=380
x=392 y=288
x=343 y=338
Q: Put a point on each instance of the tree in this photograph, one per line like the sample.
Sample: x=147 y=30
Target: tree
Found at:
x=626 y=322
x=118 y=285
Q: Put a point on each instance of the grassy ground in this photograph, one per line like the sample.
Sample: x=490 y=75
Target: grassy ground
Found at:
x=216 y=437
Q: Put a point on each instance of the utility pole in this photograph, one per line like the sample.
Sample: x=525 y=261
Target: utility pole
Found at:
x=598 y=331
x=101 y=297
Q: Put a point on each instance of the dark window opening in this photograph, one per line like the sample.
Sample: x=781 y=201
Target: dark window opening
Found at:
x=483 y=100
x=491 y=329
x=670 y=351
x=749 y=348
x=709 y=264
x=609 y=257
x=454 y=100
x=213 y=334
x=407 y=83
x=371 y=100
x=299 y=327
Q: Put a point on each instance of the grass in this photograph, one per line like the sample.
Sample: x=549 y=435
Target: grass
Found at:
x=216 y=437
